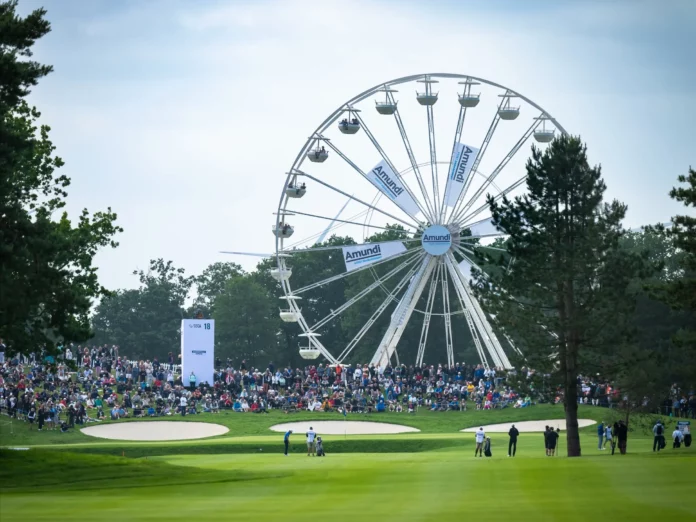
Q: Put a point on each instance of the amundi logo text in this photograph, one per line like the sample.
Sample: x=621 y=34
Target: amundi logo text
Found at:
x=198 y=352
x=384 y=179
x=366 y=254
x=458 y=175
x=445 y=238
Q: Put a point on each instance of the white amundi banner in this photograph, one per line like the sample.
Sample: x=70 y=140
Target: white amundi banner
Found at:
x=388 y=182
x=197 y=350
x=460 y=170
x=357 y=256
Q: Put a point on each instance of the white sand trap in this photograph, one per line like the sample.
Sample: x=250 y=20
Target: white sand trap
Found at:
x=341 y=427
x=156 y=430
x=530 y=426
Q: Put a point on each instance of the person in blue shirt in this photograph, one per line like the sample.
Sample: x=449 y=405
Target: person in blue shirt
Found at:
x=600 y=434
x=286 y=440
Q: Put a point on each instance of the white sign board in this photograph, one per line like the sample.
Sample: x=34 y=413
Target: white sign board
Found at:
x=197 y=350
x=389 y=184
x=357 y=256
x=460 y=169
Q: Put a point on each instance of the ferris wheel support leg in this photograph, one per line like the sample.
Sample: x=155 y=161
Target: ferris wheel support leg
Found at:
x=427 y=317
x=403 y=312
x=447 y=317
x=505 y=362
x=460 y=284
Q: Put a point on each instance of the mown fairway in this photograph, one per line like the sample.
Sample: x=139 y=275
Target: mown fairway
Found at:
x=447 y=484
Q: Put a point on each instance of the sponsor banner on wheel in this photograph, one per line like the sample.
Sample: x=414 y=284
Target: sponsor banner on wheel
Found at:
x=387 y=182
x=460 y=169
x=483 y=228
x=357 y=256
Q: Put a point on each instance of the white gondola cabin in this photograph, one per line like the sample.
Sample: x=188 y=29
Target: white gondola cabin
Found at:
x=288 y=316
x=296 y=190
x=349 y=126
x=509 y=113
x=469 y=100
x=385 y=107
x=310 y=352
x=544 y=135
x=318 y=155
x=281 y=274
x=426 y=98
x=283 y=230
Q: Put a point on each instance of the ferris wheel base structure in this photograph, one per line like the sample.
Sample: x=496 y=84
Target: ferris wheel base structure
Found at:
x=442 y=218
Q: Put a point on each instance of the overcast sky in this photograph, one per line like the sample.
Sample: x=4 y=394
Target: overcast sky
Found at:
x=183 y=116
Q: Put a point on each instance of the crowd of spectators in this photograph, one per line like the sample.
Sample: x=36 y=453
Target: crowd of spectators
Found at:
x=89 y=384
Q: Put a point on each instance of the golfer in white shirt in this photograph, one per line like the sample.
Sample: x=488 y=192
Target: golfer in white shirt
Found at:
x=480 y=437
x=311 y=448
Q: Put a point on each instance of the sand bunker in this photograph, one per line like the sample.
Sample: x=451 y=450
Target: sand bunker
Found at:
x=156 y=430
x=529 y=426
x=344 y=427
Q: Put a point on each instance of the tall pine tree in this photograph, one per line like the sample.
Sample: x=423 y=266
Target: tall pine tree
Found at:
x=565 y=297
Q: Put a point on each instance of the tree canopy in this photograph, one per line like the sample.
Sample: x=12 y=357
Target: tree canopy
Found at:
x=48 y=282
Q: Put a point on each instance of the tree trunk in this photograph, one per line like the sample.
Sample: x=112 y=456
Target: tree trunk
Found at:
x=570 y=385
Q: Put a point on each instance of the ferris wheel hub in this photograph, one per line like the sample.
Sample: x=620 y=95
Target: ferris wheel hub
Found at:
x=436 y=240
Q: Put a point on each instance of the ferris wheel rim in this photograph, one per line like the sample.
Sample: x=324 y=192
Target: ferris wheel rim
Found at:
x=318 y=135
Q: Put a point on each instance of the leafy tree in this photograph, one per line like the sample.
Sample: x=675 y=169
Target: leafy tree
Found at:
x=211 y=283
x=566 y=298
x=680 y=292
x=146 y=322
x=47 y=279
x=246 y=322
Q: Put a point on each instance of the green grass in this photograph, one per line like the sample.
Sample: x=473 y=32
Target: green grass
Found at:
x=445 y=484
x=14 y=433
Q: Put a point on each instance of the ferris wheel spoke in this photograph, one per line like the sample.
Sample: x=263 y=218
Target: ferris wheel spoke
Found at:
x=364 y=175
x=383 y=154
x=403 y=312
x=364 y=292
x=427 y=316
x=414 y=164
x=343 y=275
x=433 y=158
x=472 y=327
x=448 y=317
x=511 y=154
x=297 y=212
x=372 y=207
x=391 y=296
x=498 y=197
x=482 y=150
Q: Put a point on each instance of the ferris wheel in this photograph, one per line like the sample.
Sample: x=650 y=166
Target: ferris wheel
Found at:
x=396 y=160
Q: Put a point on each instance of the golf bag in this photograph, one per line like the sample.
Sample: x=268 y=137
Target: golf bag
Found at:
x=687 y=440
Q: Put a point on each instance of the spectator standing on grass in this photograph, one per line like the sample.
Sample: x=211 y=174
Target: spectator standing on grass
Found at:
x=480 y=437
x=677 y=438
x=608 y=439
x=311 y=447
x=622 y=435
x=659 y=436
x=512 y=445
x=286 y=441
x=600 y=434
